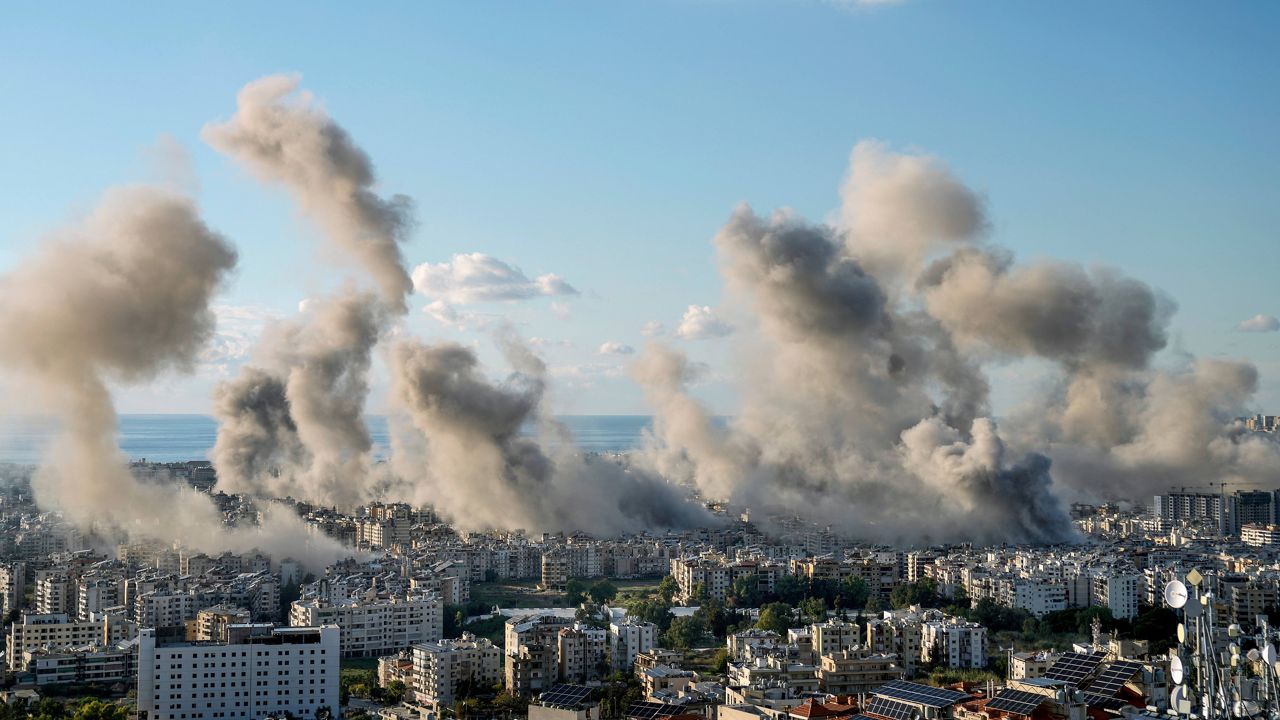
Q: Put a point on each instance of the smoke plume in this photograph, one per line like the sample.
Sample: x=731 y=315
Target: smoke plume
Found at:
x=294 y=423
x=480 y=471
x=284 y=136
x=122 y=297
x=864 y=390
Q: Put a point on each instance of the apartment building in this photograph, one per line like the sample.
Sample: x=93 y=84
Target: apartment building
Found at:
x=374 y=625
x=954 y=643
x=57 y=631
x=440 y=668
x=260 y=671
x=855 y=670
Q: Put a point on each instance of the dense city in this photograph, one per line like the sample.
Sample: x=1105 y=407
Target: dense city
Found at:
x=756 y=618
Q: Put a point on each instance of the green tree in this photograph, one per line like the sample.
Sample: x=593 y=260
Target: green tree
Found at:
x=654 y=610
x=776 y=616
x=575 y=591
x=94 y=709
x=395 y=691
x=874 y=604
x=853 y=592
x=744 y=592
x=602 y=591
x=923 y=592
x=791 y=589
x=668 y=588
x=684 y=633
x=814 y=608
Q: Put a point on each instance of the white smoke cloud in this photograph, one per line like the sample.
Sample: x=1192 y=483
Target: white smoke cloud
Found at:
x=477 y=278
x=1260 y=323
x=613 y=347
x=701 y=323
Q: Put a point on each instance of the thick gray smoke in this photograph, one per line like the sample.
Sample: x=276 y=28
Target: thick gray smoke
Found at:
x=481 y=472
x=865 y=393
x=285 y=137
x=122 y=297
x=294 y=423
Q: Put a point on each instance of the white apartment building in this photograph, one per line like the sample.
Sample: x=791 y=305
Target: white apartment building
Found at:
x=835 y=636
x=628 y=638
x=1038 y=597
x=54 y=593
x=57 y=631
x=13 y=586
x=954 y=643
x=1118 y=592
x=1260 y=535
x=440 y=667
x=263 y=671
x=375 y=626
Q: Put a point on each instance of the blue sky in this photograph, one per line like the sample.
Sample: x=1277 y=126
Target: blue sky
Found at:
x=605 y=142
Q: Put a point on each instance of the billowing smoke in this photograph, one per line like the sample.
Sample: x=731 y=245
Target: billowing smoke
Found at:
x=864 y=391
x=122 y=297
x=294 y=423
x=481 y=472
x=285 y=137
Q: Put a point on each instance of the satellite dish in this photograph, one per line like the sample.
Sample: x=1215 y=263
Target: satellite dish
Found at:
x=1175 y=594
x=1254 y=655
x=1269 y=654
x=1192 y=610
x=1175 y=669
x=1178 y=698
x=1182 y=633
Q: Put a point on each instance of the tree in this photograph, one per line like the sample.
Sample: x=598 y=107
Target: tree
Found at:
x=1158 y=626
x=575 y=591
x=790 y=589
x=684 y=633
x=602 y=591
x=668 y=588
x=776 y=616
x=94 y=709
x=744 y=592
x=395 y=691
x=814 y=608
x=853 y=592
x=923 y=592
x=874 y=603
x=652 y=610
x=716 y=617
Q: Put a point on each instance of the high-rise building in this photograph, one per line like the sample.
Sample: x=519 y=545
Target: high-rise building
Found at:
x=261 y=671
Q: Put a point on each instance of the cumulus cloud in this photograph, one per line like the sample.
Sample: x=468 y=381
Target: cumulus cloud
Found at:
x=613 y=347
x=1260 y=323
x=450 y=316
x=701 y=323
x=477 y=278
x=653 y=328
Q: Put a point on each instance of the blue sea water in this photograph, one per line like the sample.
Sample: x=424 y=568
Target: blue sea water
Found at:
x=171 y=438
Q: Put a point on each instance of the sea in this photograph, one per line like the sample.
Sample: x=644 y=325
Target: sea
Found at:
x=173 y=438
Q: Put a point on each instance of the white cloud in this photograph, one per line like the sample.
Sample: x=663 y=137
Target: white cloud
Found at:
x=585 y=376
x=653 y=328
x=1260 y=323
x=448 y=315
x=236 y=331
x=616 y=348
x=476 y=278
x=700 y=323
x=541 y=342
x=561 y=310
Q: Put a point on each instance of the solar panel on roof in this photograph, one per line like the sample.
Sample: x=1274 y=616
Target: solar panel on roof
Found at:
x=565 y=695
x=921 y=694
x=650 y=710
x=892 y=709
x=1075 y=667
x=1114 y=677
x=1019 y=702
x=1102 y=702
